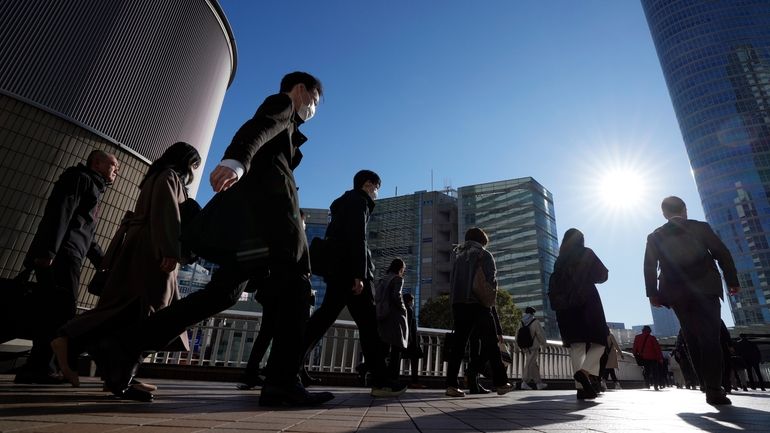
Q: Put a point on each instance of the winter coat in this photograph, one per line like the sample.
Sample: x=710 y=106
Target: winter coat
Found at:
x=710 y=281
x=468 y=255
x=613 y=351
x=650 y=350
x=347 y=233
x=535 y=329
x=413 y=343
x=136 y=286
x=392 y=321
x=587 y=323
x=70 y=217
x=257 y=221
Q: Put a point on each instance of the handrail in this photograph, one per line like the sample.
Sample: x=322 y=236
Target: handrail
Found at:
x=226 y=339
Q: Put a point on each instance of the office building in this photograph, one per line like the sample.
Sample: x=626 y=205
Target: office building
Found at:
x=316 y=221
x=421 y=229
x=715 y=57
x=665 y=322
x=130 y=78
x=518 y=216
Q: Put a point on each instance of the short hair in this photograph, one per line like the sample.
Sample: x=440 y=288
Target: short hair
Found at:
x=96 y=156
x=672 y=206
x=529 y=310
x=363 y=176
x=396 y=265
x=477 y=235
x=292 y=79
x=646 y=328
x=408 y=297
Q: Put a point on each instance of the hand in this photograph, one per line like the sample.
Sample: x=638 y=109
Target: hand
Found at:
x=222 y=178
x=732 y=291
x=43 y=263
x=655 y=301
x=168 y=264
x=358 y=286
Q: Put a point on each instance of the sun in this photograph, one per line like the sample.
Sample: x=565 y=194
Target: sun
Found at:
x=622 y=189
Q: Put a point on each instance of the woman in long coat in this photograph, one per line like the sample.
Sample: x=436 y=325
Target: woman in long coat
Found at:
x=583 y=327
x=392 y=321
x=142 y=260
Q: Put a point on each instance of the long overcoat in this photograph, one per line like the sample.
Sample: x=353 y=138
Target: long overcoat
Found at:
x=587 y=323
x=136 y=286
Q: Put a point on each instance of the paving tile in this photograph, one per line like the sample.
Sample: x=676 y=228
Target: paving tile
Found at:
x=76 y=428
x=9 y=426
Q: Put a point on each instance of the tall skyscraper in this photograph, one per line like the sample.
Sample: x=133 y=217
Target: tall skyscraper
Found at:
x=127 y=77
x=666 y=322
x=518 y=216
x=421 y=229
x=715 y=56
x=316 y=221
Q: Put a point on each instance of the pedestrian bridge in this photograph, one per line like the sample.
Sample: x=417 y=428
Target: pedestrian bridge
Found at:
x=183 y=406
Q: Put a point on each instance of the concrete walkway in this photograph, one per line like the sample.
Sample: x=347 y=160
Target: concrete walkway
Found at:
x=186 y=406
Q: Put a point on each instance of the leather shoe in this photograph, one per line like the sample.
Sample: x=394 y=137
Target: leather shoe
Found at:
x=588 y=389
x=307 y=379
x=296 y=395
x=134 y=394
x=717 y=399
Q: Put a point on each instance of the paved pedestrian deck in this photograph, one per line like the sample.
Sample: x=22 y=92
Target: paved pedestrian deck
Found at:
x=187 y=406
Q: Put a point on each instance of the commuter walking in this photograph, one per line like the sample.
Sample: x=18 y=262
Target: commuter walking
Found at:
x=579 y=310
x=349 y=281
x=531 y=326
x=141 y=263
x=609 y=360
x=753 y=357
x=413 y=349
x=253 y=229
x=64 y=237
x=470 y=314
x=684 y=251
x=392 y=320
x=647 y=348
x=477 y=361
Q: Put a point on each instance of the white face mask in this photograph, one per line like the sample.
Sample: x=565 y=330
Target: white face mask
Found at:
x=306 y=111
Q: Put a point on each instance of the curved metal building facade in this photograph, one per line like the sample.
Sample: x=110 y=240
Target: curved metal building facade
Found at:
x=715 y=56
x=130 y=77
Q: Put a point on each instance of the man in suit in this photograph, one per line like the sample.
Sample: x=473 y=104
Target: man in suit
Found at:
x=64 y=237
x=349 y=282
x=684 y=250
x=255 y=182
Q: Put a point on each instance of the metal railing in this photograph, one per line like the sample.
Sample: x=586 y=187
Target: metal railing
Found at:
x=225 y=340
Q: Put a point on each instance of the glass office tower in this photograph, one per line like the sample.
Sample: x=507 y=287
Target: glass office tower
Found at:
x=715 y=56
x=518 y=217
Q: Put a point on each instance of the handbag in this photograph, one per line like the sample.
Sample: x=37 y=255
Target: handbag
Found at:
x=99 y=280
x=505 y=354
x=485 y=291
x=25 y=302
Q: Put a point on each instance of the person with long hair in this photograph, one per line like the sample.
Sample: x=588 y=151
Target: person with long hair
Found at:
x=143 y=260
x=471 y=317
x=582 y=323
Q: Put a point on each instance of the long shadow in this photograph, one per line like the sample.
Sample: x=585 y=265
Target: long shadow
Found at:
x=729 y=418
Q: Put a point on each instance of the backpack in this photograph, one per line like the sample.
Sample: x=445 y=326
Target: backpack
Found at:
x=563 y=292
x=683 y=256
x=524 y=336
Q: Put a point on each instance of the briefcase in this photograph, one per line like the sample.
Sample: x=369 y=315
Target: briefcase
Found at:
x=27 y=307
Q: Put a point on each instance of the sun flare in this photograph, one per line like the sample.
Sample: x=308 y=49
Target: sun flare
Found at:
x=622 y=189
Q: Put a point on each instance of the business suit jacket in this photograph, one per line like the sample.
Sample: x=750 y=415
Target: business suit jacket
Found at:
x=266 y=197
x=709 y=283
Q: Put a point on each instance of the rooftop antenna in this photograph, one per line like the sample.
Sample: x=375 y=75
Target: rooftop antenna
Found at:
x=431 y=179
x=396 y=191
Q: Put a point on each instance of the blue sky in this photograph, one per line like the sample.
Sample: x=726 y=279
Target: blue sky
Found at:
x=568 y=92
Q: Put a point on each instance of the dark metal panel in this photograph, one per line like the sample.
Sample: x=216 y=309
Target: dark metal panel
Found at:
x=145 y=73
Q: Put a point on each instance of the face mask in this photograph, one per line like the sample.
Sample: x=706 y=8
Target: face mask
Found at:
x=306 y=111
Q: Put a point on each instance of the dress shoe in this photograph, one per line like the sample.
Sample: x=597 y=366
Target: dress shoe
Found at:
x=143 y=386
x=292 y=396
x=416 y=386
x=134 y=394
x=388 y=390
x=474 y=386
x=453 y=391
x=250 y=381
x=504 y=388
x=307 y=379
x=588 y=389
x=583 y=395
x=717 y=399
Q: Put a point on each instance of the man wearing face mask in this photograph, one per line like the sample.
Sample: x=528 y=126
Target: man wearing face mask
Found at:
x=349 y=281
x=256 y=219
